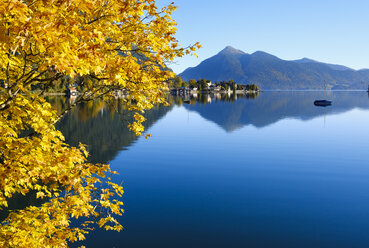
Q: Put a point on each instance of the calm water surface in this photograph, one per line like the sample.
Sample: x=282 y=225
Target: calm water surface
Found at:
x=274 y=171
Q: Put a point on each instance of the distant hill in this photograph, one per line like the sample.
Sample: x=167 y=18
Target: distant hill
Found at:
x=270 y=72
x=332 y=66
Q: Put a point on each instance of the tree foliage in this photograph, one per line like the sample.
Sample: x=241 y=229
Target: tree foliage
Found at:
x=252 y=87
x=104 y=47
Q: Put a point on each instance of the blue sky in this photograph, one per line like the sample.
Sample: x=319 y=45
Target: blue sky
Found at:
x=326 y=30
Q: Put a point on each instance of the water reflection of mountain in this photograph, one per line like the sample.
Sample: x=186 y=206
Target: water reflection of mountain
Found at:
x=103 y=128
x=271 y=107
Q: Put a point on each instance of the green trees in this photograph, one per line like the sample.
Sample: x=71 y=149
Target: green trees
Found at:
x=177 y=82
x=252 y=87
x=193 y=83
x=203 y=85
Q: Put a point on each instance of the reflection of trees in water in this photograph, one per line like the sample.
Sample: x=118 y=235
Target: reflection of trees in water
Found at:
x=252 y=95
x=58 y=102
x=208 y=98
x=102 y=126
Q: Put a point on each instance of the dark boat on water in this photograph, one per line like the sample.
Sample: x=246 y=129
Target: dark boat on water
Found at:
x=322 y=103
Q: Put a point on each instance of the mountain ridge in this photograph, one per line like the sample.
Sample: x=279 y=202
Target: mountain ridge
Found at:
x=270 y=72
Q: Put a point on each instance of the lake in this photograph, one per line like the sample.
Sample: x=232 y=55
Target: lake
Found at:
x=268 y=171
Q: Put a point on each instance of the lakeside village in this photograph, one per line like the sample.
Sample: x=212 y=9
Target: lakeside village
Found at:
x=203 y=86
x=179 y=87
x=175 y=86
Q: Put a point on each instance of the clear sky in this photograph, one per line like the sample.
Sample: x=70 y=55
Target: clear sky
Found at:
x=331 y=31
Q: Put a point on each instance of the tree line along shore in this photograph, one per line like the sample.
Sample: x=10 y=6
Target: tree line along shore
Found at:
x=65 y=86
x=178 y=86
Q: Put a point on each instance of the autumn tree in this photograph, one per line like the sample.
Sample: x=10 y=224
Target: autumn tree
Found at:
x=104 y=47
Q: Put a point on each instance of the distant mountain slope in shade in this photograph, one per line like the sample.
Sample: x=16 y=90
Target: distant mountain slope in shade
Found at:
x=271 y=72
x=332 y=66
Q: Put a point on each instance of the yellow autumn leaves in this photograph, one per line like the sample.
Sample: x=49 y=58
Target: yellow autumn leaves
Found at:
x=34 y=159
x=103 y=47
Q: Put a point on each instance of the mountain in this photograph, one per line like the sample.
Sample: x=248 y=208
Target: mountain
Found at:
x=332 y=66
x=270 y=72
